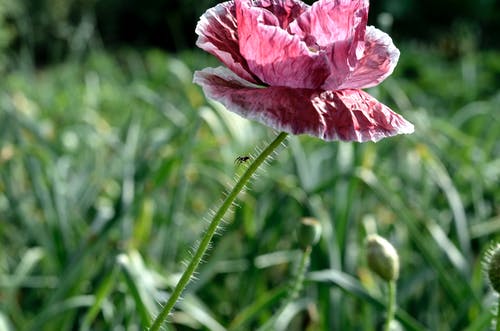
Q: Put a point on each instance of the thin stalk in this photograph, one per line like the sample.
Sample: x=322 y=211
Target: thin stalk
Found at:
x=251 y=312
x=301 y=272
x=295 y=288
x=391 y=307
x=212 y=229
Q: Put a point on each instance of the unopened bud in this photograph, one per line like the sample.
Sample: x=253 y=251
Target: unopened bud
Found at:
x=493 y=267
x=309 y=232
x=382 y=257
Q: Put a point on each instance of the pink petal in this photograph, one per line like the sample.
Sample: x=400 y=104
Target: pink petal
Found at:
x=331 y=21
x=354 y=115
x=336 y=27
x=217 y=34
x=272 y=53
x=281 y=108
x=284 y=10
x=378 y=61
x=349 y=115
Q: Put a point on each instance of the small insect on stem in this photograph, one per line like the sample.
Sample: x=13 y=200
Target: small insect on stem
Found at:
x=241 y=159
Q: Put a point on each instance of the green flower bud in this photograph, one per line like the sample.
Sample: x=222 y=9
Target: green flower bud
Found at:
x=309 y=232
x=382 y=257
x=493 y=267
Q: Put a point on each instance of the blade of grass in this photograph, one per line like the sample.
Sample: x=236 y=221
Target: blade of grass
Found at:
x=101 y=293
x=437 y=171
x=249 y=313
x=132 y=274
x=291 y=310
x=179 y=194
x=198 y=312
x=59 y=310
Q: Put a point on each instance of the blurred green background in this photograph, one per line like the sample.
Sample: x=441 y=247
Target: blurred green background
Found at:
x=111 y=160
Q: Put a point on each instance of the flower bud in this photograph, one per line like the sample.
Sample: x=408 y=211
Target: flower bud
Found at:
x=382 y=257
x=493 y=267
x=309 y=232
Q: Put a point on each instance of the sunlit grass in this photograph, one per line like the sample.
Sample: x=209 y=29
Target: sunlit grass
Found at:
x=109 y=169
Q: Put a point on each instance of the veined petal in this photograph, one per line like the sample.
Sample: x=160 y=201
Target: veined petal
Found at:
x=354 y=115
x=331 y=21
x=378 y=61
x=349 y=115
x=337 y=27
x=281 y=108
x=273 y=54
x=218 y=35
x=284 y=10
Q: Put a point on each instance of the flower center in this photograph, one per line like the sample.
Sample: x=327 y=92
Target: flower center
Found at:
x=312 y=44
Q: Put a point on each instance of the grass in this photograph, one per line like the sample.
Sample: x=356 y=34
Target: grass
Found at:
x=109 y=167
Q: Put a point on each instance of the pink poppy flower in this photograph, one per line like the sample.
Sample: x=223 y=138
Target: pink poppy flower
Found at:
x=299 y=68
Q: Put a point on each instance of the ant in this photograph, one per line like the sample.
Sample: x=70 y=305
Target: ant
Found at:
x=241 y=159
